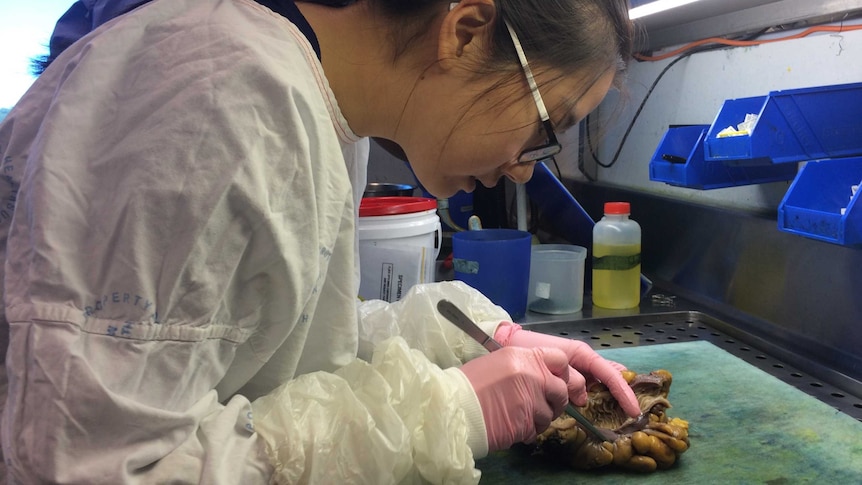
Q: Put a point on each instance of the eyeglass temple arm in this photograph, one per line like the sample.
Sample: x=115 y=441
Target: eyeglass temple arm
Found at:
x=531 y=81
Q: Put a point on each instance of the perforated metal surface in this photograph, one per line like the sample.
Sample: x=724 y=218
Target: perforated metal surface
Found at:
x=687 y=326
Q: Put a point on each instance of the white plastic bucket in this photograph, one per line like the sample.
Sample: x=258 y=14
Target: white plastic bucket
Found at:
x=399 y=240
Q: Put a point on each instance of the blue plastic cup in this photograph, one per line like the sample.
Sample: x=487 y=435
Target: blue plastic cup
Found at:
x=497 y=263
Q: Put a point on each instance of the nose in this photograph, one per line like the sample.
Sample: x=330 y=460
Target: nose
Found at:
x=520 y=173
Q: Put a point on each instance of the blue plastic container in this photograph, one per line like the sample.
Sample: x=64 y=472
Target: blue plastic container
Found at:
x=793 y=125
x=812 y=206
x=679 y=161
x=497 y=263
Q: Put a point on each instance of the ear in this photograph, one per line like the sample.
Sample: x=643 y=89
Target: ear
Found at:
x=465 y=31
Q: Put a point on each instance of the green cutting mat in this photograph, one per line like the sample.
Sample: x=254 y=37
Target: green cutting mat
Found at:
x=746 y=426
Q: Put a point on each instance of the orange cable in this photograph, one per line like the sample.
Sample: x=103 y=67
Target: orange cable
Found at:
x=746 y=43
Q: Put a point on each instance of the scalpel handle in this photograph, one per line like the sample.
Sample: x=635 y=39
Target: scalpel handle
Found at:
x=462 y=321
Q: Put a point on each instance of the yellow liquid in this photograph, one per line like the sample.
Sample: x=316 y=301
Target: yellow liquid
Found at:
x=616 y=289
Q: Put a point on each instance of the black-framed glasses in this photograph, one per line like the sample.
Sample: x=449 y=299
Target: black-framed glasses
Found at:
x=552 y=146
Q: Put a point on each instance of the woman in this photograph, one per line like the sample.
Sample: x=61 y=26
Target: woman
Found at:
x=181 y=188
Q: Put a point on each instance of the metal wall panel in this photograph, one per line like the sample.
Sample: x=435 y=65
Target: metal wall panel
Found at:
x=710 y=18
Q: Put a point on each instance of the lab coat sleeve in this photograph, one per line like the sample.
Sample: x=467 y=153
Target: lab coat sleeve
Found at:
x=397 y=419
x=416 y=319
x=179 y=192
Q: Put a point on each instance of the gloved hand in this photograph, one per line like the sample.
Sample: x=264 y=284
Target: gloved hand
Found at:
x=520 y=390
x=584 y=361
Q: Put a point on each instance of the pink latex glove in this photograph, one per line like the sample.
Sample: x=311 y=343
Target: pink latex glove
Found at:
x=520 y=390
x=584 y=361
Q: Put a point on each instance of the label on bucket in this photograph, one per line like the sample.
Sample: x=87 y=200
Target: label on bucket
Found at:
x=465 y=266
x=388 y=273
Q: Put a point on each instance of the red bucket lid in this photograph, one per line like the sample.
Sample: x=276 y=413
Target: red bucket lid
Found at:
x=390 y=206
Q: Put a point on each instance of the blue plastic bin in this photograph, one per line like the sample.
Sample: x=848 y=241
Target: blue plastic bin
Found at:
x=679 y=161
x=812 y=205
x=793 y=125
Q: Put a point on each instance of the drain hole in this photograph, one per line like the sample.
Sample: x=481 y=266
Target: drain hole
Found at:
x=701 y=327
x=629 y=342
x=694 y=335
x=744 y=349
x=564 y=333
x=628 y=327
x=858 y=405
x=837 y=394
x=730 y=341
x=639 y=333
x=816 y=384
x=650 y=340
x=680 y=330
x=606 y=329
x=647 y=325
x=778 y=366
x=659 y=331
x=796 y=374
x=617 y=335
x=761 y=357
x=595 y=338
x=715 y=334
x=668 y=323
x=585 y=331
x=671 y=337
x=606 y=345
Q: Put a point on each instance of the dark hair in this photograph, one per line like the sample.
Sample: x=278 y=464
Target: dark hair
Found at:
x=568 y=35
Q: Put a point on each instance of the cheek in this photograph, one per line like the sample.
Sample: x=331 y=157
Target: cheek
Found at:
x=480 y=155
x=504 y=148
x=483 y=143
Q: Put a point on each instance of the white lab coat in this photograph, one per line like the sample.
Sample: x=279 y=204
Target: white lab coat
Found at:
x=177 y=226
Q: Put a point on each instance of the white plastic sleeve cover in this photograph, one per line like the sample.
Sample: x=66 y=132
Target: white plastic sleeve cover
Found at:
x=397 y=419
x=416 y=319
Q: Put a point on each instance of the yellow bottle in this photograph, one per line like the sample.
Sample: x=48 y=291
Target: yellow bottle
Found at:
x=616 y=258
